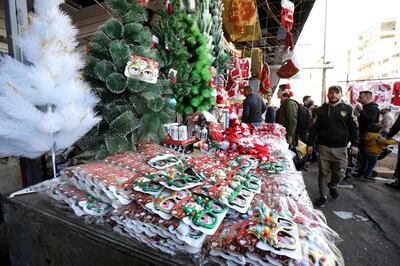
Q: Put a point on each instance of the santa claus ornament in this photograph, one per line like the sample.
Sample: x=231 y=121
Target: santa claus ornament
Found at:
x=265 y=80
x=169 y=7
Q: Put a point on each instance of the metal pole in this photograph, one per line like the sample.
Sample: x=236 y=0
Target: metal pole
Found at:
x=323 y=57
x=16 y=20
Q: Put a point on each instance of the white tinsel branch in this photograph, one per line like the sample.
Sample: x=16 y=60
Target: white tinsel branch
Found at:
x=45 y=103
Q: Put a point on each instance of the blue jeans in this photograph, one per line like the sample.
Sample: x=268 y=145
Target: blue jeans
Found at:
x=369 y=164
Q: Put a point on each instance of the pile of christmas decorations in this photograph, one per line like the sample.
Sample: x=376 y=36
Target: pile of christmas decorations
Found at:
x=225 y=207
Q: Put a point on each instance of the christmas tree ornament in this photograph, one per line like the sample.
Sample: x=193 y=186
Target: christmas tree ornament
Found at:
x=143 y=2
x=169 y=8
x=171 y=102
x=44 y=106
x=172 y=73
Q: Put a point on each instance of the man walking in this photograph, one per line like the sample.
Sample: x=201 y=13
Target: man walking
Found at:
x=287 y=113
x=334 y=127
x=253 y=108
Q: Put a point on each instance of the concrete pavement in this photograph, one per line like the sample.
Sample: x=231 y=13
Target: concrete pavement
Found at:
x=373 y=236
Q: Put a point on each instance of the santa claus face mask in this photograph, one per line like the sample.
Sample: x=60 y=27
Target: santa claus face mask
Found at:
x=144 y=69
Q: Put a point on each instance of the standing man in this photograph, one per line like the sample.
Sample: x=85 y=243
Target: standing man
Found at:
x=287 y=116
x=334 y=127
x=307 y=101
x=387 y=118
x=253 y=107
x=368 y=114
x=393 y=131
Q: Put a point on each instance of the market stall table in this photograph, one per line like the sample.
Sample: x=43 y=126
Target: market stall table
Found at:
x=41 y=233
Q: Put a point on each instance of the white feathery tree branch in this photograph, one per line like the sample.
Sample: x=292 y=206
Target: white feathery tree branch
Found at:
x=46 y=103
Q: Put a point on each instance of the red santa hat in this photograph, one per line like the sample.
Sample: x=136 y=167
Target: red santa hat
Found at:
x=286 y=90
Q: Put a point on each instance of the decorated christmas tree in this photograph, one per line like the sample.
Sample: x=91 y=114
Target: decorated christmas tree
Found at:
x=185 y=53
x=44 y=105
x=221 y=58
x=123 y=66
x=173 y=50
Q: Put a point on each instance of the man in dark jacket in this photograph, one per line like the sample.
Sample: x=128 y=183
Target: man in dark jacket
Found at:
x=335 y=125
x=270 y=115
x=393 y=131
x=253 y=107
x=368 y=114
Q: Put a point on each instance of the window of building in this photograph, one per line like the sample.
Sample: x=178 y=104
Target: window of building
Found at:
x=388 y=26
x=388 y=36
x=3 y=35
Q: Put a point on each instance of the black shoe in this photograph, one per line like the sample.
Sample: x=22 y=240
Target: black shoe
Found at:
x=321 y=202
x=369 y=179
x=395 y=185
x=333 y=192
x=357 y=175
x=346 y=177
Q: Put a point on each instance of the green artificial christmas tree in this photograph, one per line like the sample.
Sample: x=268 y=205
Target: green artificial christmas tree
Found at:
x=173 y=51
x=200 y=97
x=186 y=52
x=221 y=58
x=122 y=67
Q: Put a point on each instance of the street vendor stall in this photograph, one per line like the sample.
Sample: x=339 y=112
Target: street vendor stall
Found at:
x=244 y=205
x=215 y=191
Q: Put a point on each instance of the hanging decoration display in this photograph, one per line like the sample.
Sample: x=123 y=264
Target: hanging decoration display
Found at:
x=238 y=75
x=44 y=105
x=396 y=94
x=265 y=80
x=290 y=66
x=241 y=21
x=287 y=19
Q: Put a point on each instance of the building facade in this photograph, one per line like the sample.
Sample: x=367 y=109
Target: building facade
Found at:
x=376 y=54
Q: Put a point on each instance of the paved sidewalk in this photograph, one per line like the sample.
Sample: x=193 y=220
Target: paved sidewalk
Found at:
x=373 y=236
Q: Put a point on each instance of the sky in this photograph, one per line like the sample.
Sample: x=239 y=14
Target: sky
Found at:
x=346 y=19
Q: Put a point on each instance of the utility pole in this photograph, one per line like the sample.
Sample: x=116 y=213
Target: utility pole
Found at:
x=323 y=57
